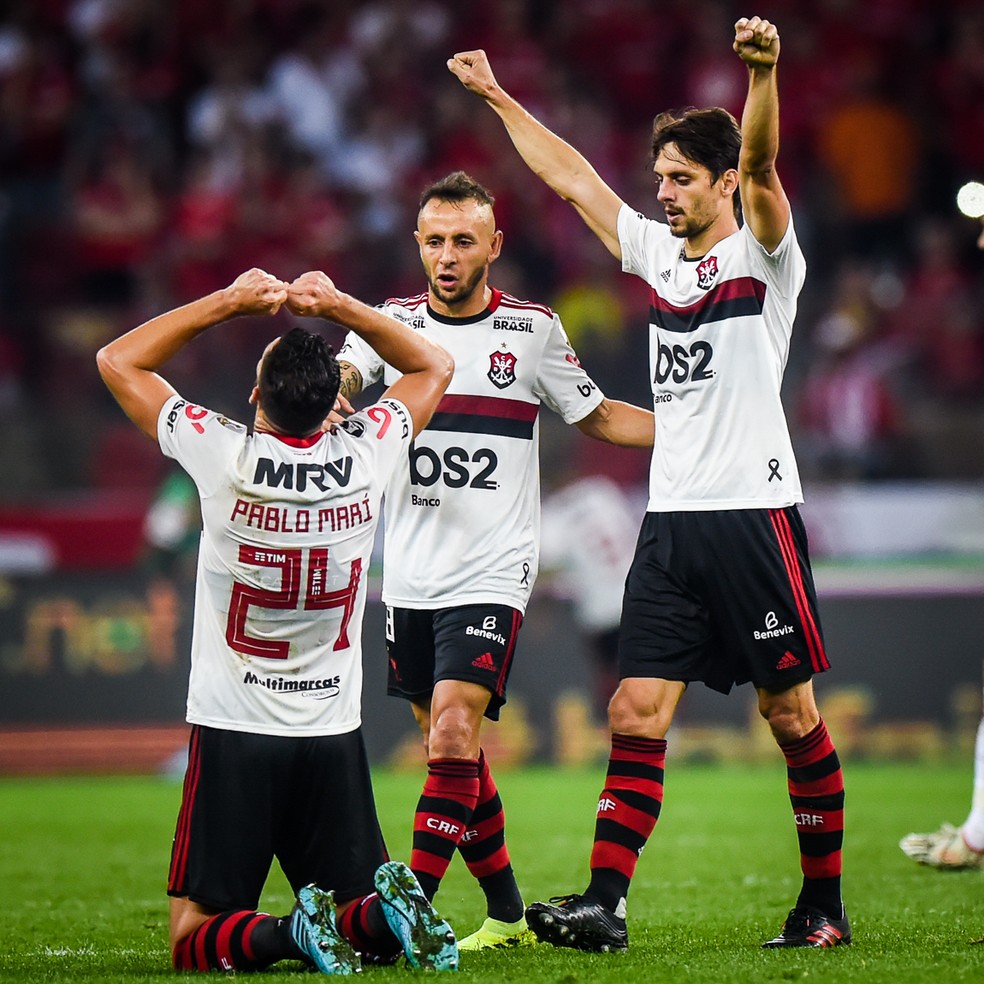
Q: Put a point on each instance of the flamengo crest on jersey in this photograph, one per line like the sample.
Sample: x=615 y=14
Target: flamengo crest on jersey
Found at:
x=462 y=513
x=719 y=338
x=288 y=529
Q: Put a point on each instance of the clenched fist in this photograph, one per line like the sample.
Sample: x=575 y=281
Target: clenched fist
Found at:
x=757 y=42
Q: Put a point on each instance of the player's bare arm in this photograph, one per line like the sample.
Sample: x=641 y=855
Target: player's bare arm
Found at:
x=426 y=367
x=763 y=200
x=129 y=364
x=351 y=384
x=620 y=423
x=552 y=159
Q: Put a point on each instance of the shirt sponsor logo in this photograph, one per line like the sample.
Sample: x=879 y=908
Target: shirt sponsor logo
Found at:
x=513 y=324
x=318 y=689
x=336 y=473
x=172 y=417
x=189 y=410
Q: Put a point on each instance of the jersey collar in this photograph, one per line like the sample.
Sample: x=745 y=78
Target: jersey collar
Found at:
x=471 y=319
x=296 y=442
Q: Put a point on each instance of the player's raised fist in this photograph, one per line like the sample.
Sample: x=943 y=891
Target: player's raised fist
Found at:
x=313 y=294
x=473 y=71
x=257 y=292
x=756 y=42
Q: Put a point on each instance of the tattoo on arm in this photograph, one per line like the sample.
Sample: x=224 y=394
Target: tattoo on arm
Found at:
x=351 y=382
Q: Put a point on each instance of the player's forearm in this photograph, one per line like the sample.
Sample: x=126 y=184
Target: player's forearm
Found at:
x=405 y=350
x=619 y=423
x=760 y=122
x=550 y=157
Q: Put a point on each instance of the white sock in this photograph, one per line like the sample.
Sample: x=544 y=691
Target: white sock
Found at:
x=973 y=827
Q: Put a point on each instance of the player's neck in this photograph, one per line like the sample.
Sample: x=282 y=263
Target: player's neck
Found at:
x=261 y=425
x=694 y=247
x=474 y=304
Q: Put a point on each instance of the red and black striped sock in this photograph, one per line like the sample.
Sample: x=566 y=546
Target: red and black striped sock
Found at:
x=364 y=926
x=627 y=812
x=483 y=848
x=443 y=811
x=816 y=791
x=236 y=940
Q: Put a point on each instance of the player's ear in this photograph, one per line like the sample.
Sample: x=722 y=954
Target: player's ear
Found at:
x=254 y=397
x=729 y=182
x=496 y=246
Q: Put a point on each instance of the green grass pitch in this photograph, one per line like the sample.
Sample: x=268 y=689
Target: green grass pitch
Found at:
x=83 y=863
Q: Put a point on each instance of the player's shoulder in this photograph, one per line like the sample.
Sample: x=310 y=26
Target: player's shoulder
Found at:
x=387 y=416
x=178 y=414
x=413 y=303
x=509 y=303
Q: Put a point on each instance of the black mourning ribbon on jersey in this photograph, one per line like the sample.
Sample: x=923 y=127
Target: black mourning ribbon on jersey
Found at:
x=526 y=574
x=774 y=469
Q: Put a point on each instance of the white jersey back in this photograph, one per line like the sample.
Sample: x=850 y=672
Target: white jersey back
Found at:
x=462 y=512
x=719 y=338
x=288 y=528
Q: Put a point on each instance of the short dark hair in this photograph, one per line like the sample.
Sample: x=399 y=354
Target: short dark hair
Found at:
x=298 y=383
x=456 y=187
x=709 y=137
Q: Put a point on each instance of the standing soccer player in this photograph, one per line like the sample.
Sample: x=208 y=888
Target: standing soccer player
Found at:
x=720 y=589
x=277 y=766
x=462 y=524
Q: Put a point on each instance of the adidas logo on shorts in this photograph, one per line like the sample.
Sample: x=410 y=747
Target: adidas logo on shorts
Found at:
x=484 y=662
x=787 y=662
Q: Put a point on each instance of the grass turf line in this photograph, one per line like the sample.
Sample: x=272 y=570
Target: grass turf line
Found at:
x=83 y=864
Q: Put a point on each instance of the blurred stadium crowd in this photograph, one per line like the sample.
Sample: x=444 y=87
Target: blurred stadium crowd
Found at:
x=150 y=151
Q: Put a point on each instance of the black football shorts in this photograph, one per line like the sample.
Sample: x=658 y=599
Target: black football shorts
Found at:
x=250 y=798
x=723 y=597
x=474 y=643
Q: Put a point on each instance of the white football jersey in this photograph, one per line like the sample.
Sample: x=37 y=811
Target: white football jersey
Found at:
x=288 y=527
x=718 y=342
x=463 y=509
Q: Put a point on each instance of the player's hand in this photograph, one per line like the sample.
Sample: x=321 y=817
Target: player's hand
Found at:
x=473 y=71
x=339 y=412
x=257 y=292
x=313 y=295
x=757 y=42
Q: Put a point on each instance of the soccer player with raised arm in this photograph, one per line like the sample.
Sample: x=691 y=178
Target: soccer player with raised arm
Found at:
x=462 y=527
x=720 y=590
x=277 y=765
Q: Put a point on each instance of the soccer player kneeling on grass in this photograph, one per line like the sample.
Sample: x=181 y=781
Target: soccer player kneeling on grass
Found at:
x=277 y=765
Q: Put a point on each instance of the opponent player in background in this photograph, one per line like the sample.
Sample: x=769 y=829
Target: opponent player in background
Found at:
x=462 y=522
x=950 y=847
x=720 y=589
x=277 y=765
